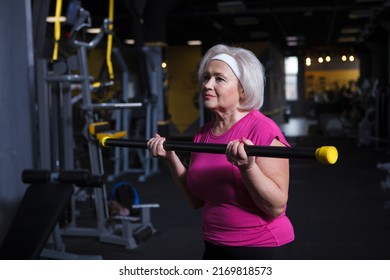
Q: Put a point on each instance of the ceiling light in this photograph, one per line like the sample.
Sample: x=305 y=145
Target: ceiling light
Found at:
x=292 y=38
x=93 y=30
x=194 y=42
x=295 y=40
x=52 y=19
x=292 y=43
x=130 y=41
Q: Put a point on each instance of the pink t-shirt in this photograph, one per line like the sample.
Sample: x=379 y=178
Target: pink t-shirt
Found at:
x=230 y=217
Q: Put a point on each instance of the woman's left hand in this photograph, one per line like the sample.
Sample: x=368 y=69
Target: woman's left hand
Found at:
x=236 y=154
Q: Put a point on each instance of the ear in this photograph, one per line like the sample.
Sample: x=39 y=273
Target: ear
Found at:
x=242 y=96
x=242 y=93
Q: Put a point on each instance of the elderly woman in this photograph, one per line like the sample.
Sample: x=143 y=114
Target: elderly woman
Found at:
x=243 y=198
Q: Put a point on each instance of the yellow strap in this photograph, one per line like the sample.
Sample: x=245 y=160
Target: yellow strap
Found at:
x=96 y=84
x=92 y=127
x=109 y=40
x=111 y=134
x=57 y=29
x=103 y=141
x=106 y=132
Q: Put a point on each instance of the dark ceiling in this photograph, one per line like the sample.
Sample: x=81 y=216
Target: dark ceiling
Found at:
x=293 y=25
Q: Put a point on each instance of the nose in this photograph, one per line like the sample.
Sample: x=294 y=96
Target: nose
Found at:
x=207 y=84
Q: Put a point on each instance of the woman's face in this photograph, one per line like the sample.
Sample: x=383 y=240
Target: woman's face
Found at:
x=221 y=88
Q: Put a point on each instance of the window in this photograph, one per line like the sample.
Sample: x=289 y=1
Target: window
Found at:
x=291 y=78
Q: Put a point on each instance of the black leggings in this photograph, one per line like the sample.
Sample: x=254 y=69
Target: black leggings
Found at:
x=215 y=252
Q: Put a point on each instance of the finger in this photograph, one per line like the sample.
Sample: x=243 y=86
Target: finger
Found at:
x=241 y=153
x=230 y=148
x=246 y=141
x=228 y=152
x=232 y=151
x=159 y=145
x=152 y=146
x=152 y=140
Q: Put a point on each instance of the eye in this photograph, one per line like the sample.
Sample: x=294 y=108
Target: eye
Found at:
x=219 y=79
x=206 y=77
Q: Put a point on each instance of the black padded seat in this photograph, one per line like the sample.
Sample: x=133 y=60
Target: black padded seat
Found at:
x=41 y=208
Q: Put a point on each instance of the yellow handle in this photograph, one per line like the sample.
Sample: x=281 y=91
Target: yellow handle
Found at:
x=109 y=40
x=57 y=29
x=103 y=141
x=327 y=154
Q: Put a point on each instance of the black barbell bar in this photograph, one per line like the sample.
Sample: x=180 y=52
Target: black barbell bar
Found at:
x=324 y=154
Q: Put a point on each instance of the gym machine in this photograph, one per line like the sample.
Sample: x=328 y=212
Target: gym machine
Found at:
x=56 y=128
x=42 y=206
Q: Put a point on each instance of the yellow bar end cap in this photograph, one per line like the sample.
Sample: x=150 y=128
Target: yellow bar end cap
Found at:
x=327 y=154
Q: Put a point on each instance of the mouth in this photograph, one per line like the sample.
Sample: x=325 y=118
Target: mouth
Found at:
x=208 y=96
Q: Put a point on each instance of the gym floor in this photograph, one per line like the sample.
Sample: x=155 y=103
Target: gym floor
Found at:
x=338 y=211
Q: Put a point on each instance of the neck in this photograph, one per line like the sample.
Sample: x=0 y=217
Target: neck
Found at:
x=223 y=122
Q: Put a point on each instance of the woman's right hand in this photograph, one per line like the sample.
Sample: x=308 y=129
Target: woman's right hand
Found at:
x=156 y=148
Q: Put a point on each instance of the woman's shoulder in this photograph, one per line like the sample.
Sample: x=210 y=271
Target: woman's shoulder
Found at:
x=265 y=128
x=258 y=118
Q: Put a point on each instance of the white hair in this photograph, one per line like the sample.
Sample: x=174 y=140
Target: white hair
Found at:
x=252 y=77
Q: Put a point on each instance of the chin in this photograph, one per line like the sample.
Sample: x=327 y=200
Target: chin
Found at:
x=208 y=104
x=209 y=107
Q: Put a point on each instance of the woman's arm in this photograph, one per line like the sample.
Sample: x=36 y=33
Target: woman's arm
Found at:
x=178 y=170
x=267 y=179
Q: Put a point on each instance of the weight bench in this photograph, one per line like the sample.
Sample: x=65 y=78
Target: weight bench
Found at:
x=40 y=209
x=129 y=231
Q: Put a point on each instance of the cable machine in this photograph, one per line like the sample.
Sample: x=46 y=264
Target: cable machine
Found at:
x=56 y=80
